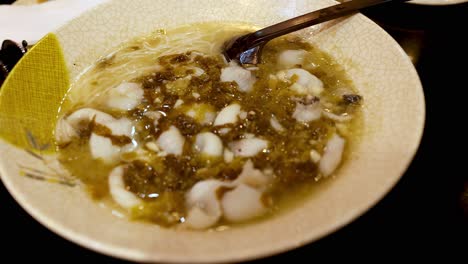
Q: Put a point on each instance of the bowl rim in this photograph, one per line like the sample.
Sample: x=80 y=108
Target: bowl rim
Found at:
x=436 y=3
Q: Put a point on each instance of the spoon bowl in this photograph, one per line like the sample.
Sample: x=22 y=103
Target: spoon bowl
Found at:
x=247 y=49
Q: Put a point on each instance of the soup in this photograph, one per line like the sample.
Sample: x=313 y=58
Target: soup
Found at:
x=167 y=130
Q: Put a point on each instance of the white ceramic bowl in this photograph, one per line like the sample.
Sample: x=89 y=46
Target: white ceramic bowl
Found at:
x=393 y=115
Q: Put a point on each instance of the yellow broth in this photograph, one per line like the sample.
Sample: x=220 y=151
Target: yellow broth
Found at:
x=162 y=181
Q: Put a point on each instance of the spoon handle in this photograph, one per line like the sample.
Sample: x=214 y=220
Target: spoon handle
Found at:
x=311 y=19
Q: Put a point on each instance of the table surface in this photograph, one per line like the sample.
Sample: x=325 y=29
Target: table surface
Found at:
x=427 y=210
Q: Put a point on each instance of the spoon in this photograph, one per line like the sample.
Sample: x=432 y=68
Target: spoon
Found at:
x=247 y=49
x=10 y=53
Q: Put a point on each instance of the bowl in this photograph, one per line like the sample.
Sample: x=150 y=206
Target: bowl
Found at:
x=393 y=117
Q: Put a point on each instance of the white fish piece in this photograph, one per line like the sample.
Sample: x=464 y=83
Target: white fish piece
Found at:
x=171 y=141
x=242 y=203
x=152 y=146
x=248 y=147
x=84 y=116
x=291 y=58
x=125 y=97
x=155 y=116
x=307 y=83
x=118 y=127
x=121 y=127
x=315 y=156
x=252 y=177
x=332 y=155
x=276 y=125
x=197 y=218
x=228 y=115
x=119 y=193
x=178 y=103
x=307 y=112
x=203 y=204
x=228 y=156
x=209 y=144
x=243 y=115
x=203 y=194
x=235 y=73
x=64 y=132
x=102 y=148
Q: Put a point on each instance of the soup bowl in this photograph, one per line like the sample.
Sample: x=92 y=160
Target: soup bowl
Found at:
x=393 y=120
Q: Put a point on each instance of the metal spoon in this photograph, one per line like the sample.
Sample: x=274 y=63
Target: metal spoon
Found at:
x=247 y=49
x=10 y=53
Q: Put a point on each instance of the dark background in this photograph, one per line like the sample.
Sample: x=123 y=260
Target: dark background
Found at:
x=424 y=216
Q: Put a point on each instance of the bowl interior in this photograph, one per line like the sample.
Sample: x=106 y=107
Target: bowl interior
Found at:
x=393 y=116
